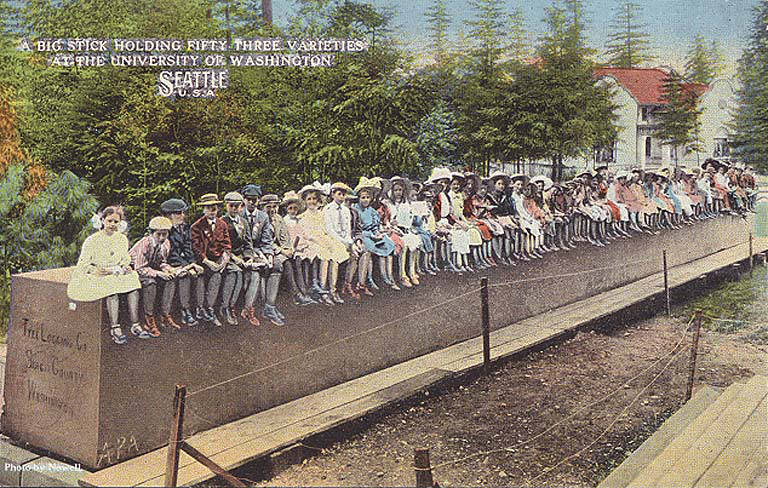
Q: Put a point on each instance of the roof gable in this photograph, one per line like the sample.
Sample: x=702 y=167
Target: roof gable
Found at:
x=646 y=84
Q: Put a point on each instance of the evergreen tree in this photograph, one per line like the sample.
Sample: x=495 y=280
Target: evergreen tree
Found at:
x=436 y=135
x=517 y=45
x=487 y=30
x=703 y=63
x=575 y=113
x=750 y=142
x=628 y=44
x=438 y=22
x=679 y=120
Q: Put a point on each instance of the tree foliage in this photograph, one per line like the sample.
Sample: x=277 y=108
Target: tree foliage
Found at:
x=576 y=113
x=703 y=62
x=680 y=119
x=438 y=23
x=628 y=43
x=751 y=118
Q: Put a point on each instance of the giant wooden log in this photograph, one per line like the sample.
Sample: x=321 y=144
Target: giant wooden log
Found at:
x=70 y=390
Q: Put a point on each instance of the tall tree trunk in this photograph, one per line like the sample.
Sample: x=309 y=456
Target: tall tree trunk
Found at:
x=266 y=12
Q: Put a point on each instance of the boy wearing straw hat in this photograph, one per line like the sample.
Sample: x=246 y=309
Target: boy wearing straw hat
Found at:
x=210 y=240
x=241 y=268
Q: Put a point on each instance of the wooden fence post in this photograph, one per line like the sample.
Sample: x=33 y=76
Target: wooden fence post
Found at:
x=694 y=354
x=666 y=283
x=172 y=463
x=422 y=467
x=486 y=324
x=751 y=256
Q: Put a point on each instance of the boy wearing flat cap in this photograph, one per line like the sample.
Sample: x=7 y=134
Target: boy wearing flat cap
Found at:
x=149 y=257
x=183 y=258
x=263 y=239
x=210 y=240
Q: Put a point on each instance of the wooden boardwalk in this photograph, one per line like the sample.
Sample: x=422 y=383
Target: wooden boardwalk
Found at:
x=237 y=443
x=715 y=441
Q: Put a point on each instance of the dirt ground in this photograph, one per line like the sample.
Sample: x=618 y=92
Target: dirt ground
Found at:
x=562 y=416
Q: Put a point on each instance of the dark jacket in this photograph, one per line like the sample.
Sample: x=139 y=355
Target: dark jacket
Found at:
x=242 y=244
x=182 y=253
x=505 y=205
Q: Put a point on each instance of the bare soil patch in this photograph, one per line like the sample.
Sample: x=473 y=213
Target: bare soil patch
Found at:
x=488 y=430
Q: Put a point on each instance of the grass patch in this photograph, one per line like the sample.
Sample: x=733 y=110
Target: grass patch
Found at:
x=760 y=336
x=732 y=302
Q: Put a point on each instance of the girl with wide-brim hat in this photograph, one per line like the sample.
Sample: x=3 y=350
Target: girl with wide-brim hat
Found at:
x=321 y=247
x=375 y=240
x=474 y=208
x=292 y=206
x=530 y=228
x=382 y=205
x=398 y=206
x=458 y=248
x=103 y=270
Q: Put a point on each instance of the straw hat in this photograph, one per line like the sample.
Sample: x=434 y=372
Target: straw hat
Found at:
x=541 y=178
x=316 y=186
x=208 y=199
x=290 y=197
x=364 y=182
x=340 y=186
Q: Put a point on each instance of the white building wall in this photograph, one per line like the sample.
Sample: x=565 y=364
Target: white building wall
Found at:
x=716 y=105
x=626 y=144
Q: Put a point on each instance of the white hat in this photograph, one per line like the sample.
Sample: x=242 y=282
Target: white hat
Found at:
x=316 y=186
x=541 y=178
x=439 y=174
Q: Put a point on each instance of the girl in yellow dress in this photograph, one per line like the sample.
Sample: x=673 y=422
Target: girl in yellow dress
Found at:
x=104 y=270
x=322 y=249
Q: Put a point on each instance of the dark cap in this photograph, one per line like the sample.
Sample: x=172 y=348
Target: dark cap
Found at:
x=251 y=190
x=173 y=205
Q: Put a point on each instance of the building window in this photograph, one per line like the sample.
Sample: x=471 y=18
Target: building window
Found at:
x=605 y=154
x=722 y=148
x=672 y=153
x=647 y=148
x=646 y=113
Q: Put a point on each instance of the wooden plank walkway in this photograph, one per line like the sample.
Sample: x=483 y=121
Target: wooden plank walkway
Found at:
x=261 y=434
x=655 y=445
x=723 y=446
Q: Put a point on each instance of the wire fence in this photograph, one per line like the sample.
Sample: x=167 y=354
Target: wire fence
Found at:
x=672 y=354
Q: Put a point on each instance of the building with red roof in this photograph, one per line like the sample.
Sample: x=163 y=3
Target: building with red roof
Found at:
x=638 y=93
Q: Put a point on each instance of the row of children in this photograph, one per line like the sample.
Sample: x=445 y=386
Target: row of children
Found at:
x=393 y=228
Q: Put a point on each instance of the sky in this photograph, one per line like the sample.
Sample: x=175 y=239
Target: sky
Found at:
x=672 y=24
